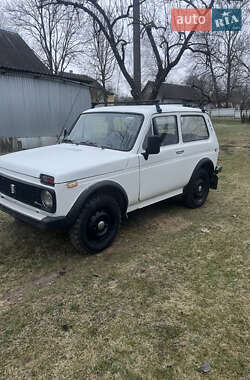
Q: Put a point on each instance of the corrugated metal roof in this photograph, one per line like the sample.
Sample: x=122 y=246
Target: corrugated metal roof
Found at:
x=84 y=79
x=16 y=54
x=80 y=78
x=52 y=77
x=18 y=58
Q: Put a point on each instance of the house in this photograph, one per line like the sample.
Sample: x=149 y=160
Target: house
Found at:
x=35 y=106
x=173 y=93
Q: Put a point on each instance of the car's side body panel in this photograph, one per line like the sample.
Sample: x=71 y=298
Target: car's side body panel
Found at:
x=128 y=179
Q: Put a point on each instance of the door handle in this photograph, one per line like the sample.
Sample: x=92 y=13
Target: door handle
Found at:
x=179 y=151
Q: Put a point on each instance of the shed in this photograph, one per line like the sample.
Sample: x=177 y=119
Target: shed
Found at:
x=35 y=106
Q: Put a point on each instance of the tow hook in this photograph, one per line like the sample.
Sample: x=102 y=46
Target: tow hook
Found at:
x=218 y=169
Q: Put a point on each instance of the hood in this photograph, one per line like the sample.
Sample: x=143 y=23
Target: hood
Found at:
x=65 y=162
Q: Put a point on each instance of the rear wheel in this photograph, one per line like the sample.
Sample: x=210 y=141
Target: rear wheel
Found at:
x=97 y=225
x=197 y=190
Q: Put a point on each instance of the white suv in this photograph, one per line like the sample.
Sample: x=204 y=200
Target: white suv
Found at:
x=112 y=161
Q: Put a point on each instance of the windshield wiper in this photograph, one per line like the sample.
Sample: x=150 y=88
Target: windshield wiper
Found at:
x=90 y=143
x=68 y=141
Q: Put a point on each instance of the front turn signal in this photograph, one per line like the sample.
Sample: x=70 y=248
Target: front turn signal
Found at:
x=72 y=185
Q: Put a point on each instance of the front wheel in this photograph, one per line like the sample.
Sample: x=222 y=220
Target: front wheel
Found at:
x=97 y=225
x=197 y=190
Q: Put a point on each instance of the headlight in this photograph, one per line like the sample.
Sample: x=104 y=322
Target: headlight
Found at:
x=47 y=200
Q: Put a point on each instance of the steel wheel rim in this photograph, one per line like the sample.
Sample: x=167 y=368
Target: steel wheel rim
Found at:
x=200 y=189
x=99 y=225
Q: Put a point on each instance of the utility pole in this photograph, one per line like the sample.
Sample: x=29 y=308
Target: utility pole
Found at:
x=137 y=45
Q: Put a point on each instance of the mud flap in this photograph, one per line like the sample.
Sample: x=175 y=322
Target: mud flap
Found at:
x=214 y=181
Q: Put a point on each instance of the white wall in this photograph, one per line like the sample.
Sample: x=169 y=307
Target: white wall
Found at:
x=225 y=112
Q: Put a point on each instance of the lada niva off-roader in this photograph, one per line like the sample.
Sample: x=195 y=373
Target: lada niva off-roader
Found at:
x=112 y=161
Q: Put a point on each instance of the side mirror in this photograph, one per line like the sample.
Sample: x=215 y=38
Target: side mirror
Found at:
x=65 y=133
x=154 y=146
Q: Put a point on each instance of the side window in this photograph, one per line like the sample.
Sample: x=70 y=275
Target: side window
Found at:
x=193 y=128
x=166 y=127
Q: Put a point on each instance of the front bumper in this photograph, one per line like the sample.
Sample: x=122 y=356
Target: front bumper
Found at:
x=31 y=217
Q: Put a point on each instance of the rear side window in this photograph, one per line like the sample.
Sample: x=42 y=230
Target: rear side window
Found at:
x=193 y=128
x=166 y=127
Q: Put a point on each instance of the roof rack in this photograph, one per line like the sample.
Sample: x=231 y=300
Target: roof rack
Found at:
x=200 y=105
x=155 y=103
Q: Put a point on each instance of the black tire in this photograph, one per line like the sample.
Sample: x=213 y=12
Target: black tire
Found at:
x=197 y=190
x=97 y=225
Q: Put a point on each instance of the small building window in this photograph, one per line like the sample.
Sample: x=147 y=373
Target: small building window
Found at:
x=193 y=128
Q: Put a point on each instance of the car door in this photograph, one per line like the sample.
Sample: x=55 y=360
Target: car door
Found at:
x=162 y=173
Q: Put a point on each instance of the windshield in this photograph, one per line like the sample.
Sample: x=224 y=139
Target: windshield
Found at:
x=107 y=130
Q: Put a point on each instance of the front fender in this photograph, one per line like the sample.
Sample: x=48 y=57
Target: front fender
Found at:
x=110 y=187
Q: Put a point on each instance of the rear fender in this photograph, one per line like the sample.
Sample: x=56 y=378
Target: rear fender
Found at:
x=208 y=165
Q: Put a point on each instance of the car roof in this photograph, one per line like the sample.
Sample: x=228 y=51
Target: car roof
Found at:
x=144 y=109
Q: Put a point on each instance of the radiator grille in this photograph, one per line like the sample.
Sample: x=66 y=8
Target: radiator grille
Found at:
x=25 y=193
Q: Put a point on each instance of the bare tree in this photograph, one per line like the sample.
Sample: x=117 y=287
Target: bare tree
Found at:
x=101 y=60
x=167 y=52
x=243 y=56
x=225 y=62
x=206 y=71
x=3 y=19
x=203 y=84
x=166 y=47
x=231 y=52
x=53 y=30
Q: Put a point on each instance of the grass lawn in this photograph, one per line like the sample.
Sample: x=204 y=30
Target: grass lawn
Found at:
x=172 y=292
